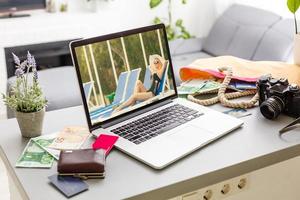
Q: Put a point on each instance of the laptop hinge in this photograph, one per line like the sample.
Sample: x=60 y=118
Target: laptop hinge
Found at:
x=135 y=113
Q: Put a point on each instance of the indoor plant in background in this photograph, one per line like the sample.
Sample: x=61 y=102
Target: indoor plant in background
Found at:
x=293 y=6
x=26 y=97
x=176 y=30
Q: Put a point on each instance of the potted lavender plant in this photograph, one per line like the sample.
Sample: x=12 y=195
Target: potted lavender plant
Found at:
x=26 y=97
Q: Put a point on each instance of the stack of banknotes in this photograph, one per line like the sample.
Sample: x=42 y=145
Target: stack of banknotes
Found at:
x=197 y=85
x=40 y=152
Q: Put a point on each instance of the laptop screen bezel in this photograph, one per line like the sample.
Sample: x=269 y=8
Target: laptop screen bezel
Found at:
x=88 y=41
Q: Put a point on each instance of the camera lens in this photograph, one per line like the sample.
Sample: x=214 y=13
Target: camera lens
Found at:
x=272 y=107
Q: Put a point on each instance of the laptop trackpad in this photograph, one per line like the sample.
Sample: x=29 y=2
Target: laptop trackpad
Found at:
x=191 y=135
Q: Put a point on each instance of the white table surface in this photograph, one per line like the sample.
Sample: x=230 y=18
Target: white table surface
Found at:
x=4 y=186
x=251 y=147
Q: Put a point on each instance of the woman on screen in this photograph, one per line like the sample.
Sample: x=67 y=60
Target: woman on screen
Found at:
x=157 y=69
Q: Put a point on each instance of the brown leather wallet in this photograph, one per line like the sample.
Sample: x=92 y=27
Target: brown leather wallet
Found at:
x=82 y=163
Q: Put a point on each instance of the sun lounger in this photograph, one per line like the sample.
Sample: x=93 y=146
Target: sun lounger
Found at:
x=87 y=88
x=130 y=87
x=131 y=83
x=147 y=78
x=162 y=84
x=124 y=91
x=120 y=91
x=119 y=95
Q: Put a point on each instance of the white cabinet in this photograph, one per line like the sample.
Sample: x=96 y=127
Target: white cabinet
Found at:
x=276 y=182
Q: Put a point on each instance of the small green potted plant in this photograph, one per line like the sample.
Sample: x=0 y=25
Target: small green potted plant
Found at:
x=26 y=98
x=293 y=6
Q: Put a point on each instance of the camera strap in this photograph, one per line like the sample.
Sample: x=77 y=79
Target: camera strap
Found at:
x=291 y=126
x=223 y=97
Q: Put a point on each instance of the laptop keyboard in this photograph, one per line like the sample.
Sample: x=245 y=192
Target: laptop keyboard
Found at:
x=156 y=123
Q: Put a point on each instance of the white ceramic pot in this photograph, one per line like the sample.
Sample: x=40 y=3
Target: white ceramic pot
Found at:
x=297 y=49
x=31 y=124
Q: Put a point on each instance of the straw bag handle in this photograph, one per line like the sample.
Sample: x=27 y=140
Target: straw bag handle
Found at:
x=223 y=97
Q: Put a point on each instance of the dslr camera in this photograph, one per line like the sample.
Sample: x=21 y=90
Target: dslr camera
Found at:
x=278 y=96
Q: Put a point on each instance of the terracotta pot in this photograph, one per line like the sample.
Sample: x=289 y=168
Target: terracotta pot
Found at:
x=297 y=49
x=31 y=124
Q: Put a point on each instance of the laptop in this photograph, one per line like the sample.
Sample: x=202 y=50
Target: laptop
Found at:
x=134 y=96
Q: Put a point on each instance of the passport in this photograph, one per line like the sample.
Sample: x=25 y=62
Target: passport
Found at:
x=68 y=185
x=105 y=142
x=243 y=85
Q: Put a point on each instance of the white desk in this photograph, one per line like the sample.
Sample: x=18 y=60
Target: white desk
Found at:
x=4 y=186
x=254 y=146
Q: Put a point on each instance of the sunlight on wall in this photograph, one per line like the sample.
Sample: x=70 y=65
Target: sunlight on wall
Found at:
x=278 y=6
x=198 y=15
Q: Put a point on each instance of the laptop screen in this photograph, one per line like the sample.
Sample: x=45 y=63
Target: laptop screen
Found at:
x=123 y=72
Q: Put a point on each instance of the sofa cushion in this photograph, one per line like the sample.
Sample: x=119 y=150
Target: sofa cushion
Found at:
x=238 y=31
x=220 y=36
x=277 y=43
x=245 y=41
x=182 y=46
x=60 y=87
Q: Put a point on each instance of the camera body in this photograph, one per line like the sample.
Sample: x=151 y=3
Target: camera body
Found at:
x=278 y=96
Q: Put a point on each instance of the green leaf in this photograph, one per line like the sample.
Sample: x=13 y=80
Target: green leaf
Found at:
x=186 y=35
x=157 y=20
x=170 y=33
x=179 y=22
x=154 y=3
x=293 y=5
x=183 y=1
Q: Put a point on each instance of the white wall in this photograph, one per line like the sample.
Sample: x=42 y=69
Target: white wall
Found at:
x=198 y=15
x=277 y=6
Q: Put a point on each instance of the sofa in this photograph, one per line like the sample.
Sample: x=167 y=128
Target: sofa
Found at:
x=241 y=31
